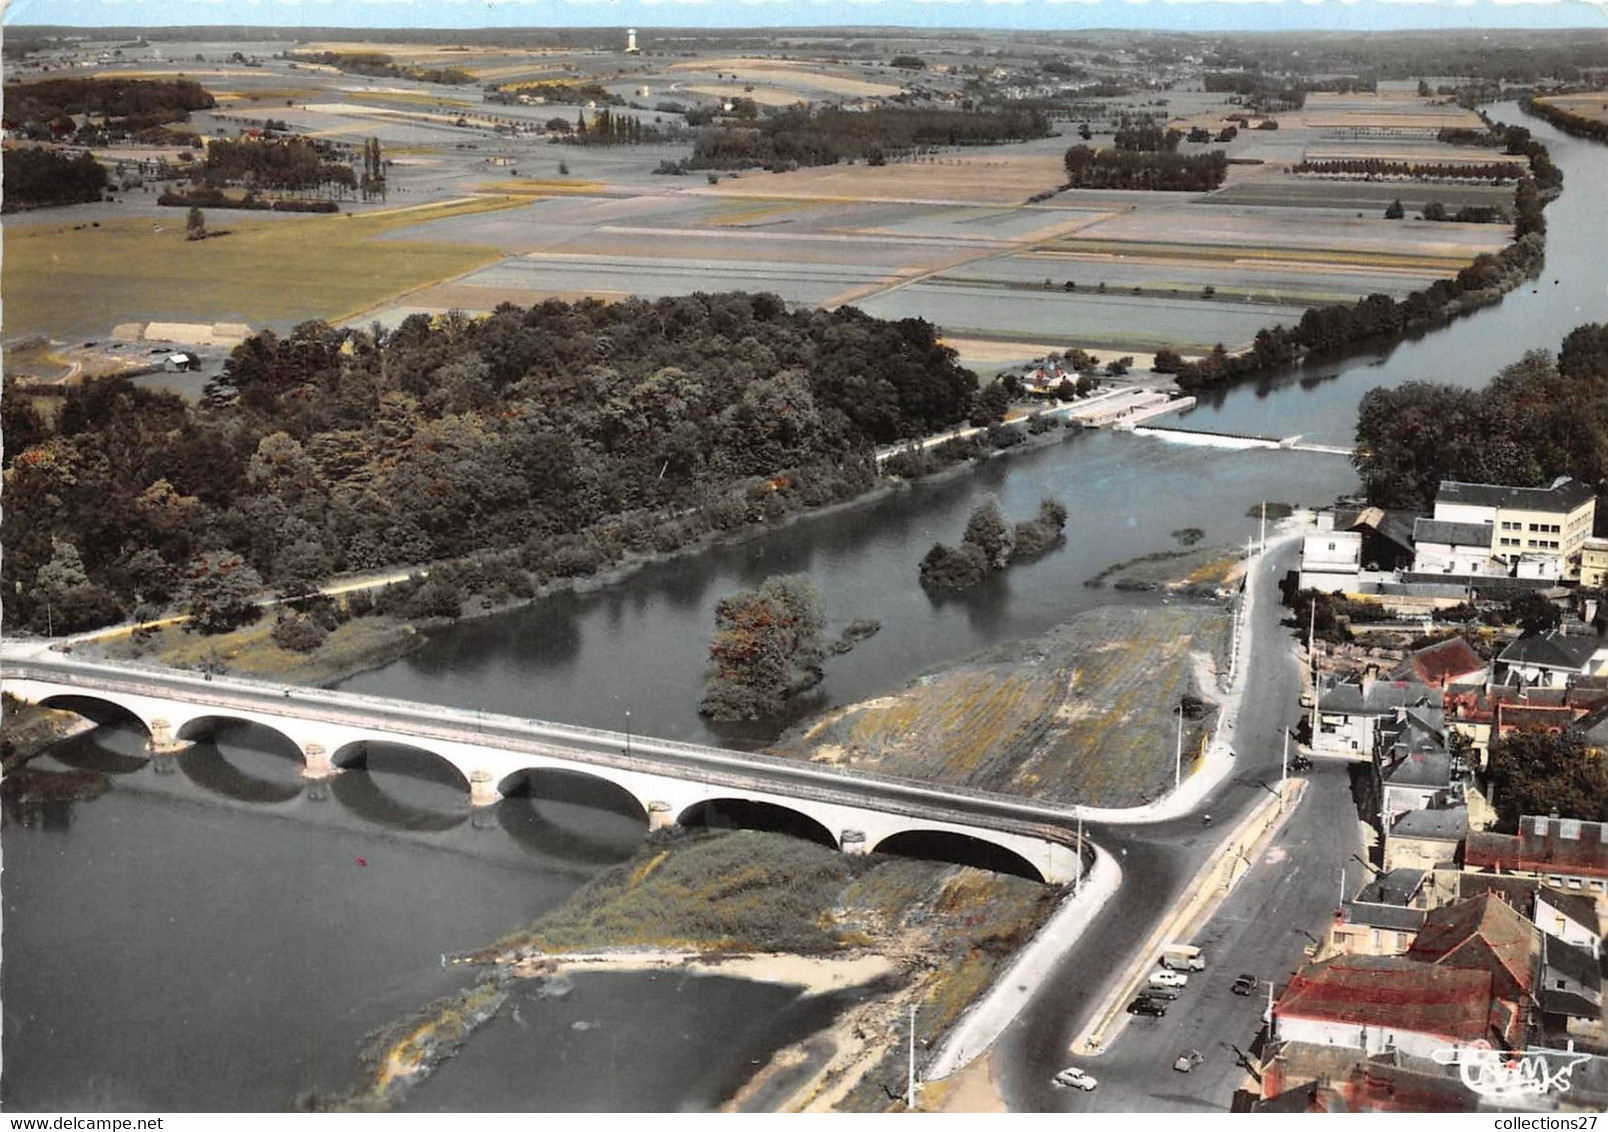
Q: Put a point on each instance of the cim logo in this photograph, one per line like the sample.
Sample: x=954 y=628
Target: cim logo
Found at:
x=1505 y=1076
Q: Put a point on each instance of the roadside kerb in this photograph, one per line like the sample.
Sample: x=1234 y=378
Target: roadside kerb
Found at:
x=1210 y=885
x=984 y=1021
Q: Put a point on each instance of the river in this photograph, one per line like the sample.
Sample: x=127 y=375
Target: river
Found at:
x=222 y=936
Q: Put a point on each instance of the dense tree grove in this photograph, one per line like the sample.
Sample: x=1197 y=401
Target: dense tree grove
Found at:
x=279 y=165
x=767 y=646
x=990 y=544
x=1537 y=772
x=559 y=437
x=378 y=65
x=124 y=107
x=1538 y=419
x=825 y=137
x=37 y=177
x=1158 y=169
x=1372 y=168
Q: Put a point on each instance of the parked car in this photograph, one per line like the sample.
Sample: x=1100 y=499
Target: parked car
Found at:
x=1188 y=1060
x=1300 y=762
x=1169 y=979
x=1074 y=1078
x=1168 y=993
x=1147 y=1006
x=1244 y=984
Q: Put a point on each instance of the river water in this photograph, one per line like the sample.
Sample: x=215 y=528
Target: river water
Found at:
x=221 y=936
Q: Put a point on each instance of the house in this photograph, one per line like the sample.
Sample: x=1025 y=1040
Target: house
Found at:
x=1364 y=927
x=1449 y=663
x=1521 y=522
x=1553 y=659
x=1443 y=547
x=1331 y=560
x=1571 y=982
x=1371 y=1003
x=1425 y=839
x=1349 y=712
x=1570 y=917
x=1479 y=715
x=1594 y=563
x=177 y=363
x=1565 y=853
x=1484 y=934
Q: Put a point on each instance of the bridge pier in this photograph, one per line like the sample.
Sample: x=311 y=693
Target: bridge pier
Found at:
x=854 y=842
x=162 y=741
x=318 y=765
x=660 y=816
x=483 y=789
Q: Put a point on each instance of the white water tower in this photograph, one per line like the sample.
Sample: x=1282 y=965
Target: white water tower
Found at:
x=630 y=41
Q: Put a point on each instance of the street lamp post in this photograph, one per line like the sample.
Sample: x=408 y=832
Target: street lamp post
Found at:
x=628 y=734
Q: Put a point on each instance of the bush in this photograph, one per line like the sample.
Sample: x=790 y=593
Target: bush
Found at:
x=953 y=568
x=298 y=633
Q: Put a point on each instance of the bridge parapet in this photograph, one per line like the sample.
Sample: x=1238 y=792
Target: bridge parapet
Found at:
x=666 y=777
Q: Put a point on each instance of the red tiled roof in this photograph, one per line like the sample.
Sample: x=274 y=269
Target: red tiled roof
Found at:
x=1485 y=933
x=1390 y=991
x=1530 y=852
x=1442 y=662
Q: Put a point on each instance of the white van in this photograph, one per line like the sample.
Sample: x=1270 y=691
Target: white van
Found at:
x=1182 y=957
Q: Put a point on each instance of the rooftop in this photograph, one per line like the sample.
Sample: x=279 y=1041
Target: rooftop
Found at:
x=1452 y=534
x=1396 y=917
x=1391 y=991
x=1398 y=886
x=1583 y=854
x=1477 y=933
x=1563 y=496
x=1440 y=663
x=1433 y=825
x=1375 y=697
x=1553 y=649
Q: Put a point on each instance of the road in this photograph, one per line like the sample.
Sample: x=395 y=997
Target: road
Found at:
x=1293 y=887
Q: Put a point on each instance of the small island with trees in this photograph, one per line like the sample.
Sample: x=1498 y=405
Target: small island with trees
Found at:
x=990 y=545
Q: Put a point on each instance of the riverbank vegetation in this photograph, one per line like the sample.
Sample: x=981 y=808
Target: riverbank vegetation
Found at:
x=1328 y=330
x=94 y=111
x=37 y=177
x=1570 y=120
x=1539 y=418
x=548 y=441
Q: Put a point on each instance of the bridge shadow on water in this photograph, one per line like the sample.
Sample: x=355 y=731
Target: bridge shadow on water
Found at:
x=242 y=761
x=571 y=816
x=400 y=787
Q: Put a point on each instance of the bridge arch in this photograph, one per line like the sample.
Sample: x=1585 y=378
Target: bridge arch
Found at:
x=958 y=849
x=400 y=758
x=575 y=787
x=748 y=813
x=249 y=776
x=208 y=727
x=96 y=708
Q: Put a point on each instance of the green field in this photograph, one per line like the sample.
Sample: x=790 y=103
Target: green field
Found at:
x=69 y=280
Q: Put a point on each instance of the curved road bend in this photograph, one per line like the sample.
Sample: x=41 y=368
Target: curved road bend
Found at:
x=1293 y=886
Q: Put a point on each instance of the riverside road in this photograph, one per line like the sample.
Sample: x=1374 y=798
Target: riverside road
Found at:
x=1292 y=888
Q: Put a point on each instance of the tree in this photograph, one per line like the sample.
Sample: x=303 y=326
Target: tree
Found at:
x=987 y=531
x=1434 y=210
x=220 y=591
x=953 y=568
x=990 y=405
x=1394 y=210
x=767 y=645
x=1533 y=614
x=1533 y=771
x=195 y=225
x=1167 y=361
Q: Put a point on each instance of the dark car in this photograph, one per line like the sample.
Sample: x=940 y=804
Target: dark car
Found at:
x=1300 y=762
x=1144 y=1005
x=1245 y=984
x=1162 y=992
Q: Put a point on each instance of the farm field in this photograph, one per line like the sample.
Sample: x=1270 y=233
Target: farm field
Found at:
x=77 y=283
x=1115 y=321
x=1593 y=105
x=1367 y=196
x=1081 y=714
x=995 y=177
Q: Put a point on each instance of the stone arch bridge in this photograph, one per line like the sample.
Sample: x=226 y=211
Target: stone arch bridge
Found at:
x=857 y=812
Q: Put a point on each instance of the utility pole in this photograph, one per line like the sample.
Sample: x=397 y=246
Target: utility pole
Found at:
x=910 y=1088
x=1077 y=877
x=1284 y=768
x=628 y=734
x=1312 y=656
x=1178 y=757
x=1261 y=535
